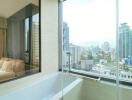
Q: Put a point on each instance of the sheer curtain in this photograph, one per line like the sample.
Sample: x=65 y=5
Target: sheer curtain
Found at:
x=3 y=27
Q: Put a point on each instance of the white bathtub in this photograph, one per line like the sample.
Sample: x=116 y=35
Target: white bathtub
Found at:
x=51 y=87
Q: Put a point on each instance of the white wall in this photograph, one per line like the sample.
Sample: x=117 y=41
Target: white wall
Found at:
x=96 y=90
x=75 y=93
x=49 y=35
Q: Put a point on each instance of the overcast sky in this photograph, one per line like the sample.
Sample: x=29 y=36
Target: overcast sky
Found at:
x=95 y=20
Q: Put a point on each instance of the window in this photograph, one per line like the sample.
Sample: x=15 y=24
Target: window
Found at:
x=92 y=38
x=19 y=39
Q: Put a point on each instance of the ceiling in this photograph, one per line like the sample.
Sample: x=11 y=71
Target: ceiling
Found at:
x=9 y=7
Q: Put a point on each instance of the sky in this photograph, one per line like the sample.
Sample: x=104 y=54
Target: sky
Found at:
x=95 y=20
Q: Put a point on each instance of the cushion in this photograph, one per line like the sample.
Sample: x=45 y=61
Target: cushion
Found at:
x=19 y=60
x=5 y=59
x=19 y=67
x=7 y=66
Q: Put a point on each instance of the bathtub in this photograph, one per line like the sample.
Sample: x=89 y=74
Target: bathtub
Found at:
x=48 y=87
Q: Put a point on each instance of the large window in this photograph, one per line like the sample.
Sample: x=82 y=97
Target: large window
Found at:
x=19 y=38
x=91 y=43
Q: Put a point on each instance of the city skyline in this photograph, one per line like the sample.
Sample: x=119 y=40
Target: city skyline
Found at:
x=98 y=23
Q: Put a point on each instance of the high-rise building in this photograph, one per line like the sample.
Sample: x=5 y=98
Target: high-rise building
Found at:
x=76 y=52
x=65 y=44
x=35 y=44
x=106 y=47
x=65 y=37
x=125 y=41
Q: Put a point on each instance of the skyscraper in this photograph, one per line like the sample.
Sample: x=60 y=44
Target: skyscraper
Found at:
x=106 y=47
x=75 y=54
x=125 y=41
x=65 y=37
x=65 y=44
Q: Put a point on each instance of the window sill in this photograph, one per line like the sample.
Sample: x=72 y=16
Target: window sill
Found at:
x=96 y=76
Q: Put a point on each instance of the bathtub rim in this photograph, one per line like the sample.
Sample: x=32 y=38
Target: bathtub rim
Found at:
x=22 y=85
x=67 y=89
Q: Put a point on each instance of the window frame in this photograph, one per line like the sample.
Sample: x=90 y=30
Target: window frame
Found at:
x=60 y=29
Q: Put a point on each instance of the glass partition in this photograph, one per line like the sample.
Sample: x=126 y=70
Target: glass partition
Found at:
x=125 y=39
x=97 y=36
x=89 y=37
x=125 y=48
x=91 y=47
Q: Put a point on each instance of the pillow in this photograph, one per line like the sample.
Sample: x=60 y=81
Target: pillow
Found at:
x=7 y=66
x=18 y=60
x=5 y=59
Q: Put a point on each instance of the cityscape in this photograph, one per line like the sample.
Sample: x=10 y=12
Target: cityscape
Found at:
x=100 y=60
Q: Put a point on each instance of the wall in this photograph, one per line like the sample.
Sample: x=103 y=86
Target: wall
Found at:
x=49 y=35
x=74 y=93
x=96 y=90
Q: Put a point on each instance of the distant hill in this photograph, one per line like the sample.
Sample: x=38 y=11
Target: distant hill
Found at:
x=97 y=43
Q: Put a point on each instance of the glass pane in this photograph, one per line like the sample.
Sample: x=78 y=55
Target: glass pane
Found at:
x=19 y=39
x=89 y=36
x=125 y=49
x=125 y=39
x=89 y=46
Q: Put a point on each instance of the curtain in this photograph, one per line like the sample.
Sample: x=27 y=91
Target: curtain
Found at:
x=2 y=42
x=3 y=27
